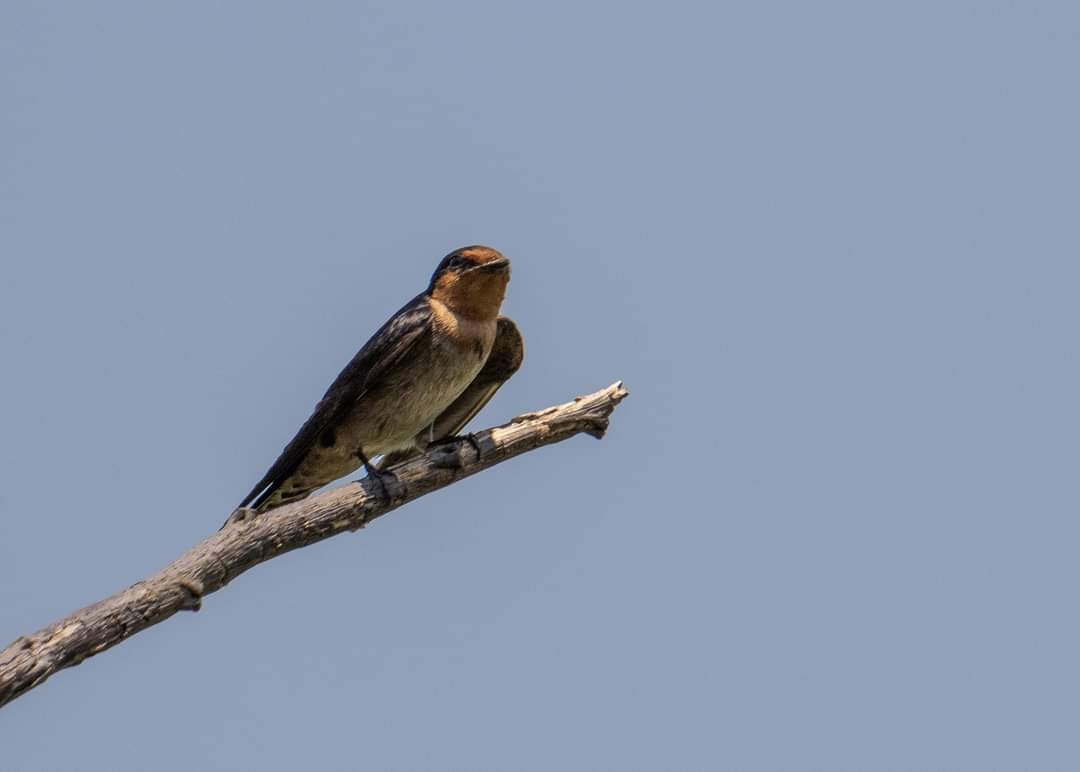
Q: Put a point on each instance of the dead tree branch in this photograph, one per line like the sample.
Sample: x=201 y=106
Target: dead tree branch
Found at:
x=216 y=561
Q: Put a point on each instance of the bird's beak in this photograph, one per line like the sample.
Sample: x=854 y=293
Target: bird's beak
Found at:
x=494 y=266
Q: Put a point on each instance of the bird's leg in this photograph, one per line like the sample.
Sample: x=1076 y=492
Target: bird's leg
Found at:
x=376 y=474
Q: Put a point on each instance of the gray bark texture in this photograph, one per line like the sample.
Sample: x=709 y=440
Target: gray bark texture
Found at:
x=216 y=561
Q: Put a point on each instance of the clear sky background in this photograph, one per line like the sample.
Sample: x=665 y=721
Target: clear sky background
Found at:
x=832 y=248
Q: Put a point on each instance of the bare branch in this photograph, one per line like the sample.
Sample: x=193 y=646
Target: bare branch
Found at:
x=216 y=561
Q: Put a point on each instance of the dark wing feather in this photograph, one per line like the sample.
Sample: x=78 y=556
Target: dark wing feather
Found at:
x=504 y=360
x=385 y=349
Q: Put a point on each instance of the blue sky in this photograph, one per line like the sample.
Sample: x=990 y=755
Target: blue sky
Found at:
x=831 y=248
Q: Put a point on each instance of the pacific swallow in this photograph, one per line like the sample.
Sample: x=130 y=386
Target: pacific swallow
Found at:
x=418 y=381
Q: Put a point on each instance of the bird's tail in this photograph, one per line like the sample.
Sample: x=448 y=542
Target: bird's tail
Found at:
x=280 y=498
x=276 y=499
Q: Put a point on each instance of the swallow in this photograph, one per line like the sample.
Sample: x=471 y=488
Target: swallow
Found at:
x=423 y=375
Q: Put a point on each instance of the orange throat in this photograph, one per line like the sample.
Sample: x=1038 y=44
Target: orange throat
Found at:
x=476 y=297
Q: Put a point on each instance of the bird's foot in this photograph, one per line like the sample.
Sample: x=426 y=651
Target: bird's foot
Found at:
x=380 y=477
x=446 y=453
x=239 y=515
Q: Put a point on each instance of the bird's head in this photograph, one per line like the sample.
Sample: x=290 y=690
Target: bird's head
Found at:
x=472 y=281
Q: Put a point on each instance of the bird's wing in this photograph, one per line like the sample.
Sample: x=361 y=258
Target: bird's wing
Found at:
x=385 y=349
x=504 y=360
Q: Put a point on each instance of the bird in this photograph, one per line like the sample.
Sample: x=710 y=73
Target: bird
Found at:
x=416 y=383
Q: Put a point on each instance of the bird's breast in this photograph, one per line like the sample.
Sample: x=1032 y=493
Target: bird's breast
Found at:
x=433 y=374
